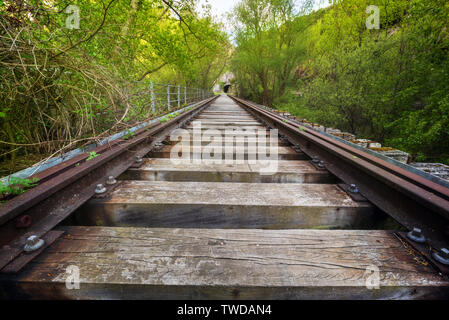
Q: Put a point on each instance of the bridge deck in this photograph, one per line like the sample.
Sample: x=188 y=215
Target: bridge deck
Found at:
x=224 y=234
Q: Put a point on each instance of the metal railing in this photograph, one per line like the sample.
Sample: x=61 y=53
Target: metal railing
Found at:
x=159 y=98
x=149 y=100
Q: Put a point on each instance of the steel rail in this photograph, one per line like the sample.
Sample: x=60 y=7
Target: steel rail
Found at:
x=70 y=186
x=410 y=199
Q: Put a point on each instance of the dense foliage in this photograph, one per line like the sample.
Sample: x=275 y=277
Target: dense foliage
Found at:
x=61 y=86
x=389 y=84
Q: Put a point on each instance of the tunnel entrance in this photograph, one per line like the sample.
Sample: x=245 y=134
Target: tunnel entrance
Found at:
x=226 y=88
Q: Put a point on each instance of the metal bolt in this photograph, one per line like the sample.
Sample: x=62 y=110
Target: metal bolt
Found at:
x=321 y=164
x=33 y=243
x=416 y=235
x=353 y=188
x=24 y=221
x=100 y=189
x=111 y=180
x=442 y=256
x=315 y=160
x=139 y=159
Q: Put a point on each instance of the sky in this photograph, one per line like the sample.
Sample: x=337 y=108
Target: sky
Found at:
x=220 y=7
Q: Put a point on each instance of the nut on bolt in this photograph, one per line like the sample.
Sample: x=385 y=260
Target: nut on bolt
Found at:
x=320 y=164
x=442 y=256
x=111 y=180
x=24 y=221
x=139 y=159
x=353 y=188
x=315 y=160
x=416 y=235
x=100 y=189
x=33 y=243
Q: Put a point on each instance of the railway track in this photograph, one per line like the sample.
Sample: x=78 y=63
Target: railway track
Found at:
x=300 y=222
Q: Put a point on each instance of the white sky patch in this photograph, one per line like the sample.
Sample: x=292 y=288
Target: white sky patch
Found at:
x=219 y=7
x=321 y=4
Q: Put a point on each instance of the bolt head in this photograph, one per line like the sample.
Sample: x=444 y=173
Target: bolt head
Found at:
x=315 y=160
x=111 y=180
x=416 y=235
x=33 y=243
x=32 y=240
x=139 y=159
x=100 y=189
x=442 y=256
x=24 y=221
x=321 y=164
x=353 y=188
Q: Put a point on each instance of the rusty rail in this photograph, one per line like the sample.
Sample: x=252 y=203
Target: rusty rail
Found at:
x=408 y=198
x=67 y=186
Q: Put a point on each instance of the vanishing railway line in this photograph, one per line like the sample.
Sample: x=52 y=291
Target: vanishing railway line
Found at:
x=226 y=227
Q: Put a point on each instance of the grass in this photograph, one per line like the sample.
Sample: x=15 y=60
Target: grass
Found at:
x=169 y=117
x=92 y=155
x=129 y=134
x=16 y=187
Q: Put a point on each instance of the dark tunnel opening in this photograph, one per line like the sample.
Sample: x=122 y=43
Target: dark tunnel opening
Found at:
x=226 y=88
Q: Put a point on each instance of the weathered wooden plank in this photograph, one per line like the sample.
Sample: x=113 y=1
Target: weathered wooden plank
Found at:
x=230 y=141
x=228 y=122
x=227 y=127
x=284 y=153
x=226 y=205
x=138 y=263
x=225 y=108
x=225 y=114
x=228 y=117
x=162 y=169
x=236 y=133
x=233 y=109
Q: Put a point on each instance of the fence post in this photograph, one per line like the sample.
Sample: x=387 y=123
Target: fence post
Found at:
x=153 y=107
x=168 y=96
x=179 y=96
